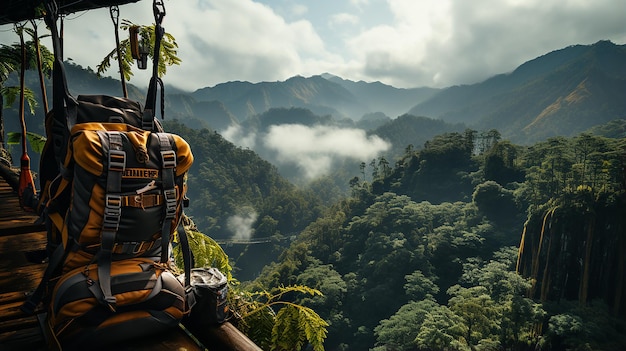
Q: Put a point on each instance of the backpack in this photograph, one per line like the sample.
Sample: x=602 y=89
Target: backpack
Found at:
x=113 y=189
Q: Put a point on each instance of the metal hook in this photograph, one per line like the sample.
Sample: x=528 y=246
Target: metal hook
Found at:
x=159 y=11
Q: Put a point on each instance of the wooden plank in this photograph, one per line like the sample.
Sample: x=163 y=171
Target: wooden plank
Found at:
x=23 y=242
x=174 y=339
x=11 y=297
x=19 y=278
x=18 y=323
x=11 y=311
x=23 y=339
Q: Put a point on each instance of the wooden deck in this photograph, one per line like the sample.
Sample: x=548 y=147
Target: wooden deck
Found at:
x=22 y=251
x=21 y=241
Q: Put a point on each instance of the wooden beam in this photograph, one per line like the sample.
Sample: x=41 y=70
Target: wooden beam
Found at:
x=224 y=337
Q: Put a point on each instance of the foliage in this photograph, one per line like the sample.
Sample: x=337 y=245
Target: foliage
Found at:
x=399 y=332
x=576 y=327
x=235 y=194
x=11 y=94
x=393 y=251
x=168 y=51
x=441 y=329
x=288 y=329
x=35 y=140
x=291 y=327
x=206 y=252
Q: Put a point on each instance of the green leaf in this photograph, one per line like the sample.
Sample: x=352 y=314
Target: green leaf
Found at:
x=36 y=141
x=14 y=138
x=296 y=324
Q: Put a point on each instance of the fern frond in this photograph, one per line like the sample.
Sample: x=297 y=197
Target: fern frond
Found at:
x=295 y=325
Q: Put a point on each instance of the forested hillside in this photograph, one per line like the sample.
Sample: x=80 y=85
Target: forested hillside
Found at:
x=424 y=257
x=235 y=196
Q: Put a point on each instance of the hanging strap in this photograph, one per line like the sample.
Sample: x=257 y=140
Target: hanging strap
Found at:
x=64 y=116
x=64 y=105
x=33 y=300
x=155 y=82
x=188 y=263
x=112 y=215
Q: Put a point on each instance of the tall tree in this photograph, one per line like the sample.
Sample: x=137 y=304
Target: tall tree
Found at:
x=45 y=60
x=35 y=56
x=9 y=63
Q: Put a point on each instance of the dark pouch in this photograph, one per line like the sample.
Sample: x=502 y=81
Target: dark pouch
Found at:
x=210 y=288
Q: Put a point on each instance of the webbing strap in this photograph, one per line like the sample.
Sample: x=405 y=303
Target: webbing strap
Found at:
x=64 y=106
x=148 y=115
x=112 y=214
x=186 y=250
x=56 y=224
x=168 y=165
x=55 y=260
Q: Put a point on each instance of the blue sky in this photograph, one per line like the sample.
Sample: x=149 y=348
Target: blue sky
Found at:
x=404 y=43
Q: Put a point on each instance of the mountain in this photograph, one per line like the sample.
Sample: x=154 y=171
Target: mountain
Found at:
x=380 y=97
x=323 y=95
x=563 y=93
x=412 y=130
x=317 y=94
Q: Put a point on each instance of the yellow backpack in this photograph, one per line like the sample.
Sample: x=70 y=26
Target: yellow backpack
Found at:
x=113 y=189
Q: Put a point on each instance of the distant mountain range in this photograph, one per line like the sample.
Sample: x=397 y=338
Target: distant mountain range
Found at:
x=563 y=92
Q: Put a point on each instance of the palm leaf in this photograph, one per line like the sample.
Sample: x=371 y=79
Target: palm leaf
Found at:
x=35 y=140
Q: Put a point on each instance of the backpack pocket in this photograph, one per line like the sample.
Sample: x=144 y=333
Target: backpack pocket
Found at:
x=149 y=300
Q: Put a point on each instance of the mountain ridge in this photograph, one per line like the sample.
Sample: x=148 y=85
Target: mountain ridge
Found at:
x=512 y=102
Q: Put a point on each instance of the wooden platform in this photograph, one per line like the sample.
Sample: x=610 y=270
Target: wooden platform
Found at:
x=20 y=240
x=22 y=252
x=22 y=248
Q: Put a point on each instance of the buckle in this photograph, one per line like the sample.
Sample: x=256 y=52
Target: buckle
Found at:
x=168 y=159
x=117 y=160
x=170 y=203
x=112 y=212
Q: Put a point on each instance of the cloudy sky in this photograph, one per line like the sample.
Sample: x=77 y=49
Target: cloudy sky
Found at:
x=404 y=43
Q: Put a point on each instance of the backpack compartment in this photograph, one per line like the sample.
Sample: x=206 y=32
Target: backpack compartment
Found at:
x=149 y=299
x=140 y=187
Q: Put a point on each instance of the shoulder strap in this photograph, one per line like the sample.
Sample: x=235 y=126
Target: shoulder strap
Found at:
x=112 y=214
x=168 y=162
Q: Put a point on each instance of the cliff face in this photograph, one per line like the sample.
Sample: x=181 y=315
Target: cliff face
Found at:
x=575 y=252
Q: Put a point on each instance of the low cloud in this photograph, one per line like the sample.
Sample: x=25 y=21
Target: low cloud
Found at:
x=241 y=224
x=238 y=136
x=314 y=149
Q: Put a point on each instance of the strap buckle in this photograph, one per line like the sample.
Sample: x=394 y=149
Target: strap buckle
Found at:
x=168 y=159
x=117 y=160
x=170 y=203
x=112 y=212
